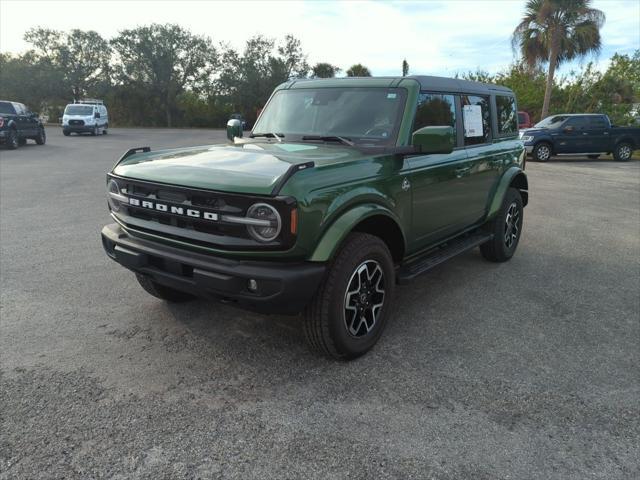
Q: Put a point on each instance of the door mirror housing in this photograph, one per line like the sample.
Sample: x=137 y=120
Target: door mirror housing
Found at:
x=97 y=115
x=234 y=129
x=434 y=139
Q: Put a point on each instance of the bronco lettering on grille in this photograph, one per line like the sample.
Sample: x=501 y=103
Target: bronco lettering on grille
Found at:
x=163 y=207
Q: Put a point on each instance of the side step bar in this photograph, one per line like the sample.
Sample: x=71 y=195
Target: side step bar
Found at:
x=439 y=255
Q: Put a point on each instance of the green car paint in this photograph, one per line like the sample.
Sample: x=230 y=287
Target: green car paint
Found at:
x=422 y=199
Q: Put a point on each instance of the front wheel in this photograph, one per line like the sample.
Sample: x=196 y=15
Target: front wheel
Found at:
x=542 y=152
x=42 y=137
x=161 y=291
x=349 y=311
x=12 y=139
x=66 y=133
x=96 y=131
x=506 y=228
x=622 y=152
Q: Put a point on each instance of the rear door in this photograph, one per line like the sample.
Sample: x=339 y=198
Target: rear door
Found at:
x=22 y=123
x=598 y=134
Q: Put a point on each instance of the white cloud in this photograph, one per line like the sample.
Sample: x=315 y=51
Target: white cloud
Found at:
x=434 y=37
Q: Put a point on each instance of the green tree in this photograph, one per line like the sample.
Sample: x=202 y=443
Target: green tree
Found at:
x=405 y=68
x=324 y=70
x=358 y=70
x=246 y=80
x=81 y=57
x=555 y=31
x=164 y=61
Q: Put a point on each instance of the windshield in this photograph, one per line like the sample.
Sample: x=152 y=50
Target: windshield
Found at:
x=6 y=107
x=363 y=115
x=78 y=110
x=552 y=122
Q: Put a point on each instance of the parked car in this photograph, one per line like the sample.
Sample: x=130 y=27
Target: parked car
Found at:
x=524 y=120
x=238 y=116
x=18 y=124
x=584 y=134
x=344 y=188
x=86 y=116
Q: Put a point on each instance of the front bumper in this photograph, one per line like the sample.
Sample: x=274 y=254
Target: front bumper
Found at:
x=77 y=128
x=529 y=149
x=284 y=288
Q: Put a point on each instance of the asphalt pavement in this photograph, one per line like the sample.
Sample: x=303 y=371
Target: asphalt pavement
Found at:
x=522 y=370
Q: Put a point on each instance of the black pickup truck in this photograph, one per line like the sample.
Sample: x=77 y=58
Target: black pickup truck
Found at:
x=580 y=134
x=18 y=123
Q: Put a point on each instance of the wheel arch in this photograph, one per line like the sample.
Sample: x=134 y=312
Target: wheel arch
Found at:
x=626 y=139
x=367 y=218
x=512 y=178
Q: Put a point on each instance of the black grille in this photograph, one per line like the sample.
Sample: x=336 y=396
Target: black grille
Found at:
x=76 y=122
x=219 y=233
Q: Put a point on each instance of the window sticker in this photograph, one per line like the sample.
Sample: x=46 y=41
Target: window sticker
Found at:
x=472 y=115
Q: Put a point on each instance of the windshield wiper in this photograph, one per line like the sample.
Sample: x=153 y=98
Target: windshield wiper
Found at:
x=330 y=138
x=277 y=136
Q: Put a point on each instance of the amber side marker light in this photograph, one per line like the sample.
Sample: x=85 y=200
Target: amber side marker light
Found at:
x=294 y=221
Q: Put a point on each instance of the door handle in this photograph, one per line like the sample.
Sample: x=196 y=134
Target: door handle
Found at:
x=462 y=171
x=585 y=133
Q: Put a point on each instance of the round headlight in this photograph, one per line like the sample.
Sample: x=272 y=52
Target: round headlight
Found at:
x=113 y=192
x=269 y=225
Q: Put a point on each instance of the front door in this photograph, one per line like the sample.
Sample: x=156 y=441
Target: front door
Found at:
x=573 y=136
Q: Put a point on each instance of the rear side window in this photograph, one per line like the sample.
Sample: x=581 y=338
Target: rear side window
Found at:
x=597 y=122
x=435 y=110
x=507 y=116
x=6 y=107
x=476 y=118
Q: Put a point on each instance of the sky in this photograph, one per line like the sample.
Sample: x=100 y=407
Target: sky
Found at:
x=436 y=37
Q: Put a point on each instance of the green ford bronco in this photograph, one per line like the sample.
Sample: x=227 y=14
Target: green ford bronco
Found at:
x=343 y=189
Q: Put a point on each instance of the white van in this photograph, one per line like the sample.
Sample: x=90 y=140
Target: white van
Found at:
x=85 y=116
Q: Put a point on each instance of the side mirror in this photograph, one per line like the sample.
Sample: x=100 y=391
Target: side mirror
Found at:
x=234 y=129
x=97 y=115
x=434 y=139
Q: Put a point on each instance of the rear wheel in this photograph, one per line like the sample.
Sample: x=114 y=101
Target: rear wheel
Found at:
x=622 y=152
x=12 y=139
x=41 y=138
x=506 y=228
x=542 y=152
x=104 y=131
x=349 y=311
x=161 y=291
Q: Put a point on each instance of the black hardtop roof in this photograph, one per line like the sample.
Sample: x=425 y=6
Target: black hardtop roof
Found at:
x=457 y=85
x=427 y=82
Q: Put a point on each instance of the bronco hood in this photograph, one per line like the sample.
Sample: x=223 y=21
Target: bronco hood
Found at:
x=247 y=168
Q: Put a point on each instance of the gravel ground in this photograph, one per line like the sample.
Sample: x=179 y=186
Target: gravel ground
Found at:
x=514 y=371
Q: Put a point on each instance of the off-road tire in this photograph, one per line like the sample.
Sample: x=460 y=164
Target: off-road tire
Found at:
x=498 y=249
x=623 y=152
x=41 y=138
x=12 y=140
x=161 y=291
x=325 y=321
x=542 y=152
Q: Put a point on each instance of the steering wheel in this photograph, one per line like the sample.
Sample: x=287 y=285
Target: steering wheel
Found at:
x=378 y=132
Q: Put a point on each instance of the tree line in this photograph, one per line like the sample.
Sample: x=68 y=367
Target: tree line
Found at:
x=164 y=75
x=155 y=75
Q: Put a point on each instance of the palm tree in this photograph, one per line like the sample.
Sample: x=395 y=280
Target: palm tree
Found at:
x=556 y=31
x=358 y=70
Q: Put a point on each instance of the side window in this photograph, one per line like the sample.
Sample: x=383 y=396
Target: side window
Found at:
x=435 y=110
x=507 y=115
x=476 y=119
x=578 y=123
x=597 y=122
x=18 y=108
